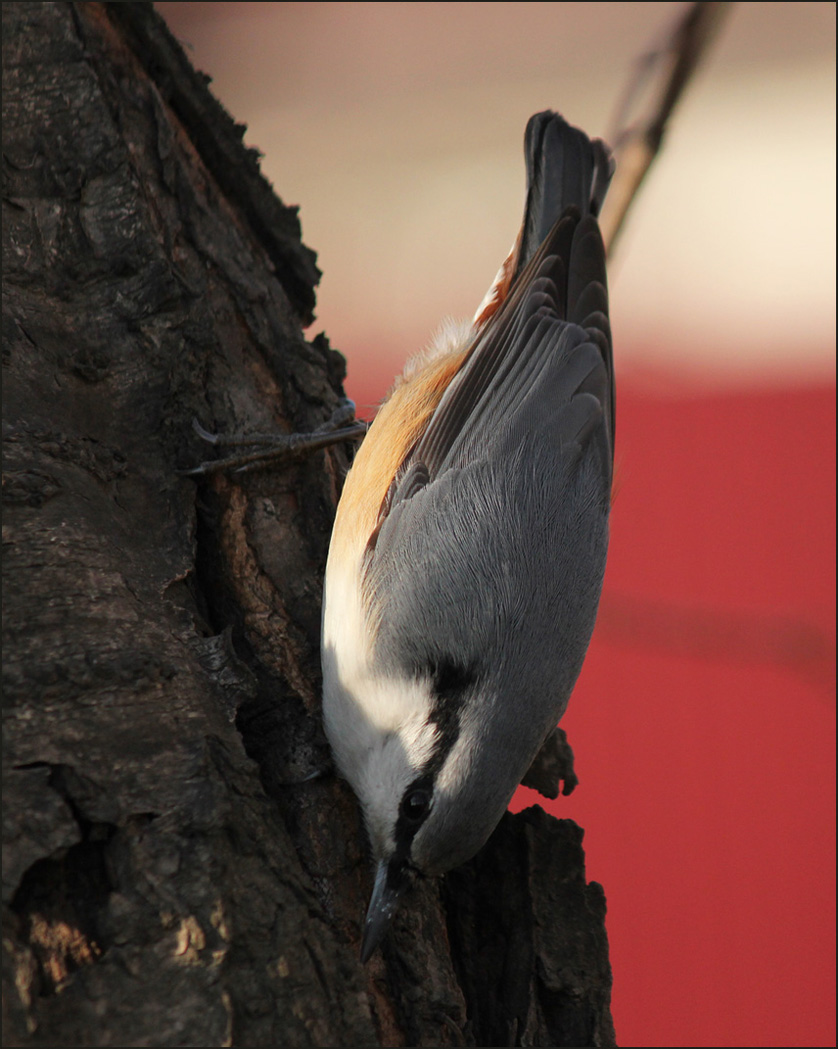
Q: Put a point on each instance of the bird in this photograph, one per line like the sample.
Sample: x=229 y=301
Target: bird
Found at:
x=469 y=546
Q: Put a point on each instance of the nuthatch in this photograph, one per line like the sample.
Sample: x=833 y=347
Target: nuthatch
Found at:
x=469 y=547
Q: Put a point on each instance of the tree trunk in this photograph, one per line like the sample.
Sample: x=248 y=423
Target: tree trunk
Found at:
x=170 y=875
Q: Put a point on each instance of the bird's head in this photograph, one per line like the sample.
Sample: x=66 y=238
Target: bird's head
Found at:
x=417 y=758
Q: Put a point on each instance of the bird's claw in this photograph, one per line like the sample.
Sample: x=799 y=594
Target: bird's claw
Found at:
x=552 y=765
x=277 y=445
x=205 y=435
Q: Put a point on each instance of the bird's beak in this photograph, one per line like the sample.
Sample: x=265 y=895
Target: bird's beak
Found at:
x=386 y=894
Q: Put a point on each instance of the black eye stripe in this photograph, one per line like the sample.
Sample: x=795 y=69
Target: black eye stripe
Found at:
x=450 y=678
x=449 y=681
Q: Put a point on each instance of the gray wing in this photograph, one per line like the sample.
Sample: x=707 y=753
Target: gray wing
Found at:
x=544 y=360
x=495 y=528
x=547 y=350
x=514 y=471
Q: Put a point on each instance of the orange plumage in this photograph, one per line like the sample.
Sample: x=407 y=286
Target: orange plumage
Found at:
x=404 y=418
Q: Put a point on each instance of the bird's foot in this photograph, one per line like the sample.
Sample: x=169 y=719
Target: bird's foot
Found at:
x=552 y=764
x=266 y=447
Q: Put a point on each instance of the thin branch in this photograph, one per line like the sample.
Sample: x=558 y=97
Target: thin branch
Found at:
x=663 y=73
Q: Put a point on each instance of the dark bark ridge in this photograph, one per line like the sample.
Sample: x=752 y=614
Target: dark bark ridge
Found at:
x=170 y=875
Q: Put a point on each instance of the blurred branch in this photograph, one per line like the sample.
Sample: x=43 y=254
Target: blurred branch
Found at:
x=662 y=74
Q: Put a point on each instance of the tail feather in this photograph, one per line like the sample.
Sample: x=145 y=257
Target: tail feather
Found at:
x=564 y=169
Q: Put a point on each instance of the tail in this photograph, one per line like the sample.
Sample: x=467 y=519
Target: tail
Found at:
x=564 y=169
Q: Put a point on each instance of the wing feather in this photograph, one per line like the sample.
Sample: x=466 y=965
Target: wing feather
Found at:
x=529 y=337
x=544 y=356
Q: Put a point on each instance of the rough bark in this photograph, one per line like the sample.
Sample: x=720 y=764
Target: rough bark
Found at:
x=170 y=875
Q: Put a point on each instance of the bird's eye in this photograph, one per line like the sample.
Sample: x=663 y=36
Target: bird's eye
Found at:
x=415 y=805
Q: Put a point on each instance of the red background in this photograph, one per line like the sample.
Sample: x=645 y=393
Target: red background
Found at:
x=703 y=721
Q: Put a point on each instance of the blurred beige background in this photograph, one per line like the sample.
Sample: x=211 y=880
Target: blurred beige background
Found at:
x=398 y=129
